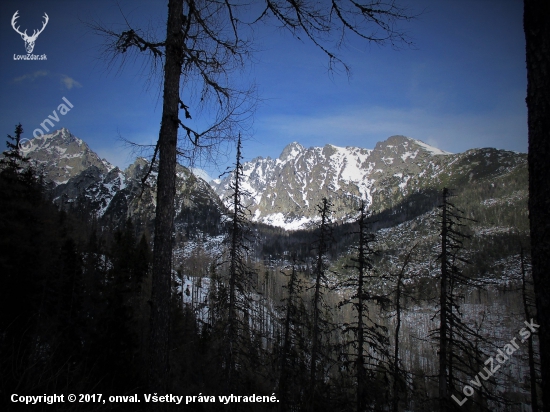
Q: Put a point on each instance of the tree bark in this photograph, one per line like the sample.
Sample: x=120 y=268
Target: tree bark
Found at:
x=234 y=257
x=290 y=311
x=443 y=310
x=532 y=370
x=360 y=362
x=166 y=188
x=398 y=310
x=536 y=24
x=320 y=273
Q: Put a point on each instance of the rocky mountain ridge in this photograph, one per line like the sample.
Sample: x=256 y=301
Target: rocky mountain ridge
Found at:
x=399 y=176
x=284 y=192
x=82 y=181
x=61 y=156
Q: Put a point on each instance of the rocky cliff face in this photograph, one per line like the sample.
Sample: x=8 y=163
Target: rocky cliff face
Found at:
x=286 y=191
x=400 y=174
x=84 y=182
x=61 y=156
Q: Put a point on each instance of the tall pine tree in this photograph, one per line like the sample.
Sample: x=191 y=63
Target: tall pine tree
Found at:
x=367 y=345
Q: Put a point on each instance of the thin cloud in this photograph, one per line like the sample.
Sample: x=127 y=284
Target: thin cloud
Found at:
x=364 y=127
x=69 y=82
x=31 y=77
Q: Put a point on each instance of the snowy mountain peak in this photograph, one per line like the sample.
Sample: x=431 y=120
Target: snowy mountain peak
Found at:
x=291 y=151
x=102 y=190
x=431 y=149
x=60 y=155
x=285 y=192
x=409 y=144
x=61 y=137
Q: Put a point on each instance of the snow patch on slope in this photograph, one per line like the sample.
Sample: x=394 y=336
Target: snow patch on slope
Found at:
x=431 y=149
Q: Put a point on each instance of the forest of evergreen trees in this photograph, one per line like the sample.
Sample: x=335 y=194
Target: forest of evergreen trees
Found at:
x=319 y=336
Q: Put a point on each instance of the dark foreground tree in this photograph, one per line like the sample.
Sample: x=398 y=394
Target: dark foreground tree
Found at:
x=528 y=309
x=452 y=238
x=367 y=344
x=236 y=320
x=536 y=24
x=12 y=160
x=70 y=307
x=454 y=336
x=400 y=295
x=205 y=42
x=291 y=359
x=443 y=307
x=462 y=348
x=320 y=323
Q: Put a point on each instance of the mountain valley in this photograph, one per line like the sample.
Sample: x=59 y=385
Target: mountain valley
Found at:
x=400 y=180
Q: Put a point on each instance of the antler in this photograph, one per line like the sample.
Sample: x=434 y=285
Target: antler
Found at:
x=24 y=34
x=35 y=33
x=15 y=17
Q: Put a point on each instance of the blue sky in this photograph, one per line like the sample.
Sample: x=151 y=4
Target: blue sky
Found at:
x=461 y=86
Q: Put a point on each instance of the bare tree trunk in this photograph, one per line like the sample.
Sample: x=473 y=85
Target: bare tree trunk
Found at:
x=532 y=370
x=398 y=309
x=451 y=341
x=211 y=55
x=320 y=272
x=166 y=187
x=536 y=24
x=360 y=362
x=234 y=257
x=443 y=310
x=290 y=313
x=395 y=399
x=314 y=340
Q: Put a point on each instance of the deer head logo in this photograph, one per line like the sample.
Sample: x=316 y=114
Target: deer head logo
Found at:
x=29 y=40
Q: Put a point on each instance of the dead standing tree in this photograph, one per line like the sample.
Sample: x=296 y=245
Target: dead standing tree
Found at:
x=236 y=332
x=291 y=357
x=527 y=294
x=460 y=351
x=451 y=246
x=320 y=324
x=401 y=295
x=203 y=47
x=367 y=344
